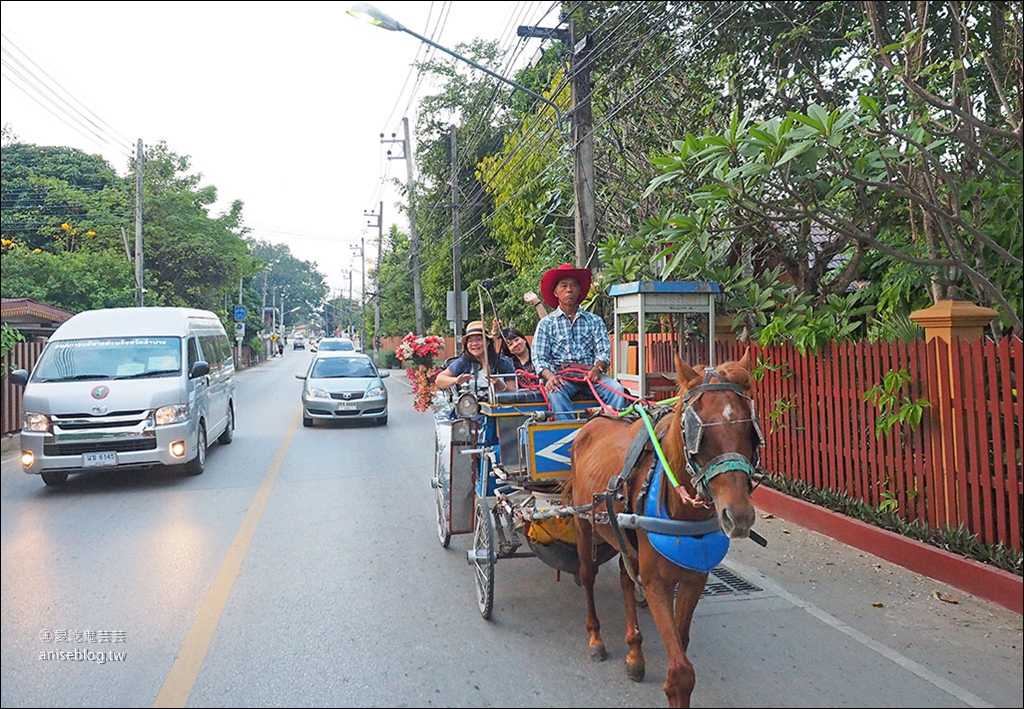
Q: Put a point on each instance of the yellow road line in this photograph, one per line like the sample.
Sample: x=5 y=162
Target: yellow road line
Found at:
x=182 y=677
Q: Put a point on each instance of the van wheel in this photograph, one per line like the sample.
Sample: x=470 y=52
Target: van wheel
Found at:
x=197 y=465
x=53 y=477
x=229 y=431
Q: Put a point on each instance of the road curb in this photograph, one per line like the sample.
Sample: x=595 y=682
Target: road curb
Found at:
x=982 y=580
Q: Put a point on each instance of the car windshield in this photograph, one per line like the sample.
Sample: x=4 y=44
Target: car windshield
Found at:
x=328 y=345
x=339 y=367
x=109 y=358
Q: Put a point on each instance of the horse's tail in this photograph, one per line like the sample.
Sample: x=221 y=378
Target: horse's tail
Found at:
x=566 y=490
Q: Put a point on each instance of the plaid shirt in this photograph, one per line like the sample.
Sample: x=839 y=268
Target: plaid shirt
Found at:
x=560 y=341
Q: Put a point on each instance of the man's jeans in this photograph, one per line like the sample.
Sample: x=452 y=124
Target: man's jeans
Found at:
x=561 y=400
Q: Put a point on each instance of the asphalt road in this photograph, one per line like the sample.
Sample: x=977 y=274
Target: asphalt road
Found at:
x=302 y=569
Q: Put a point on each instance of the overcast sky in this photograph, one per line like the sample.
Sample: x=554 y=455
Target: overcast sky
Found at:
x=277 y=104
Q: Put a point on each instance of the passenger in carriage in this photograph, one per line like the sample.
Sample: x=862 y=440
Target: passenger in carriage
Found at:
x=572 y=336
x=515 y=346
x=470 y=365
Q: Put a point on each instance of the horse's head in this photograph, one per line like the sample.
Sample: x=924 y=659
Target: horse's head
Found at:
x=721 y=436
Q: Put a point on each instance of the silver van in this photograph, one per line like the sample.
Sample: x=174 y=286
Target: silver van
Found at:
x=128 y=387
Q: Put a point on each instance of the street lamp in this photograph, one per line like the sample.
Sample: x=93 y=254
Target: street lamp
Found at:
x=368 y=13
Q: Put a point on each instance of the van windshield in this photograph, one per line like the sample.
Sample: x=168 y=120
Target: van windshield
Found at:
x=109 y=358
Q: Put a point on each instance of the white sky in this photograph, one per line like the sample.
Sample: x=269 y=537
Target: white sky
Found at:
x=277 y=104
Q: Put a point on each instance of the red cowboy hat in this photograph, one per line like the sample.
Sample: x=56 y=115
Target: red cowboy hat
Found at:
x=550 y=279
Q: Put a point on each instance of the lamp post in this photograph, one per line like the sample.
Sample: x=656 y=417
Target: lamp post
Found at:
x=369 y=13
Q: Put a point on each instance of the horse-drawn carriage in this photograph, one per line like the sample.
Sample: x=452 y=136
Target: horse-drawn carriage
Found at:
x=578 y=489
x=498 y=471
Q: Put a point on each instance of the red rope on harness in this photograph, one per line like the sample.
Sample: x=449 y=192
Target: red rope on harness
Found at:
x=578 y=374
x=582 y=376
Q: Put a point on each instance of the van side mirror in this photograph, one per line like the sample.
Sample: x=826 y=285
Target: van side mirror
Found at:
x=18 y=377
x=199 y=369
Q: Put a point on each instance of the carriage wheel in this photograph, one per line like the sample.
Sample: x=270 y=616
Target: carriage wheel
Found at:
x=482 y=557
x=440 y=485
x=443 y=527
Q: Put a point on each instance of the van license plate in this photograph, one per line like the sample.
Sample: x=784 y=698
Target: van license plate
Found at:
x=97 y=460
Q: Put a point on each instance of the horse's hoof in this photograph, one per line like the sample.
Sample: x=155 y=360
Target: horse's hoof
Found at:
x=598 y=653
x=636 y=673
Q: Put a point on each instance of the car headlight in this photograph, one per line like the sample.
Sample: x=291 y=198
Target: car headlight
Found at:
x=317 y=393
x=35 y=422
x=372 y=391
x=165 y=415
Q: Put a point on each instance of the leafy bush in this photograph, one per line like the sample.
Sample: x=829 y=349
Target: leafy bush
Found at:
x=956 y=540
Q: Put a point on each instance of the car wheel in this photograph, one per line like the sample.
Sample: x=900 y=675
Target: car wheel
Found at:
x=197 y=465
x=54 y=477
x=228 y=434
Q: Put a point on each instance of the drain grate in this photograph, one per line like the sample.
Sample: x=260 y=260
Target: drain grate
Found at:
x=723 y=582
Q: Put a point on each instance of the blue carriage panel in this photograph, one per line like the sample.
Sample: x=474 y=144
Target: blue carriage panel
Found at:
x=539 y=448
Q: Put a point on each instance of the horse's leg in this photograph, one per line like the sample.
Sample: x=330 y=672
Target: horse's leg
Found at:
x=588 y=574
x=636 y=667
x=675 y=632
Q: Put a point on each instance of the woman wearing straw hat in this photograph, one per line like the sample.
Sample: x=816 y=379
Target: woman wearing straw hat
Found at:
x=477 y=351
x=572 y=336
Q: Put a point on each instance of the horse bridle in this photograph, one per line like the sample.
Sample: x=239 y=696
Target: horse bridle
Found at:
x=693 y=432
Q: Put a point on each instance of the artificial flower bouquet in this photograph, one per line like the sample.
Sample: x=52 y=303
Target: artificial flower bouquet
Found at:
x=421 y=350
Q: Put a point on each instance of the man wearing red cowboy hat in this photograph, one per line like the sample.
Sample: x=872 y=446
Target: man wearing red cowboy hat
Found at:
x=570 y=336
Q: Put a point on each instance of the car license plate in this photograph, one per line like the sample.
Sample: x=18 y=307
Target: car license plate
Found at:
x=97 y=460
x=347 y=406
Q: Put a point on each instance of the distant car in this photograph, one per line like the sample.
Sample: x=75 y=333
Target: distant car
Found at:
x=342 y=385
x=336 y=344
x=298 y=344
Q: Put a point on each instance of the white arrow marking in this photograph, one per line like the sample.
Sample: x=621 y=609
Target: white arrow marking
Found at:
x=551 y=452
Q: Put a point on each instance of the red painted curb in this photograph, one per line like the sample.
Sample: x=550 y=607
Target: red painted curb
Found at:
x=982 y=580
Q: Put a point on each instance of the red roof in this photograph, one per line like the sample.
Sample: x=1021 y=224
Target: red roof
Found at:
x=15 y=307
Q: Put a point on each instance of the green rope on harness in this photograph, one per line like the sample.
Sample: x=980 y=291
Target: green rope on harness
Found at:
x=657 y=445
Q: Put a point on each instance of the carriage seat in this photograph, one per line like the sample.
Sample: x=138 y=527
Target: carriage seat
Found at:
x=523 y=396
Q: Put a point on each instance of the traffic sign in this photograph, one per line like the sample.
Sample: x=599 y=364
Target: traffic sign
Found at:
x=239 y=330
x=239 y=313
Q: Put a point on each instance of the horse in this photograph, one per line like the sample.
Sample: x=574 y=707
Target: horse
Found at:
x=712 y=432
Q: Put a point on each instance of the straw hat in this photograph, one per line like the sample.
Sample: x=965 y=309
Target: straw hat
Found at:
x=474 y=328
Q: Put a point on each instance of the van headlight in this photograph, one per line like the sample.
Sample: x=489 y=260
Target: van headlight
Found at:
x=39 y=423
x=166 y=415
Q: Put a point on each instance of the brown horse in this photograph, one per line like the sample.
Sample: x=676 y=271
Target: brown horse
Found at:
x=710 y=441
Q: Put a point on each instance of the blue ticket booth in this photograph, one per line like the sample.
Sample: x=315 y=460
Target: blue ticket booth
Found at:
x=640 y=304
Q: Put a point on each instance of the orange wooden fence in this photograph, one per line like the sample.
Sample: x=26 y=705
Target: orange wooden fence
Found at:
x=960 y=467
x=23 y=356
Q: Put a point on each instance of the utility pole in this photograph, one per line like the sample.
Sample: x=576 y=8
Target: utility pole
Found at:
x=414 y=240
x=376 y=278
x=583 y=151
x=585 y=213
x=139 y=162
x=362 y=295
x=456 y=256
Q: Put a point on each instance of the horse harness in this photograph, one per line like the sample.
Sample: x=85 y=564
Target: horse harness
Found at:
x=649 y=515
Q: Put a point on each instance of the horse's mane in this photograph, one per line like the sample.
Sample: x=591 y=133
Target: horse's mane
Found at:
x=733 y=372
